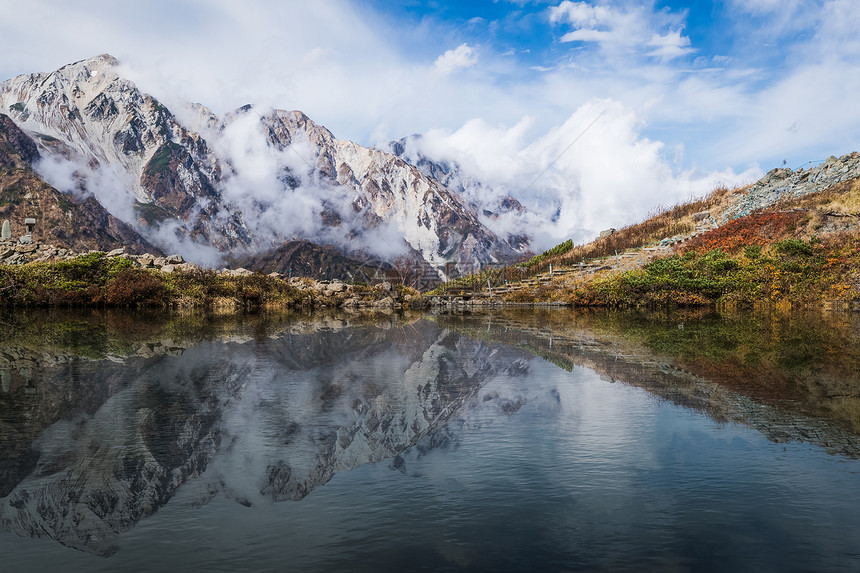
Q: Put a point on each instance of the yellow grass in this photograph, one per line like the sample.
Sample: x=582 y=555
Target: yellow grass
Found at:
x=847 y=202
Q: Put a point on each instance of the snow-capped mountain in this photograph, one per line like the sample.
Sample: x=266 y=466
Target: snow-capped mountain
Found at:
x=246 y=182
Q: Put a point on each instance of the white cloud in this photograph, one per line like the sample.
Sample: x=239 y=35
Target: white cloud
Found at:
x=461 y=57
x=765 y=6
x=806 y=116
x=765 y=21
x=589 y=35
x=255 y=185
x=668 y=46
x=582 y=14
x=630 y=27
x=836 y=36
x=577 y=178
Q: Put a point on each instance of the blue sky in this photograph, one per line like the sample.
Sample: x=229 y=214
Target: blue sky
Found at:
x=686 y=95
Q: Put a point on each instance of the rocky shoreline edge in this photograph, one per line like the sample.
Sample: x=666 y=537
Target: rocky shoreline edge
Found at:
x=42 y=275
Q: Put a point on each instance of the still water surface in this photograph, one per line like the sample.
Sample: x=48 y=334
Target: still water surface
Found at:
x=506 y=442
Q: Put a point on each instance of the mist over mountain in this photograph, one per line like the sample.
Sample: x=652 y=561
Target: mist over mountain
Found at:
x=189 y=181
x=79 y=223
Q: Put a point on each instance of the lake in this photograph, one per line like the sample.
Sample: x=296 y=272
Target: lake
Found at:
x=545 y=440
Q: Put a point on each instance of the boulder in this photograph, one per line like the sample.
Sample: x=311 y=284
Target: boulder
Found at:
x=175 y=260
x=606 y=233
x=240 y=272
x=384 y=303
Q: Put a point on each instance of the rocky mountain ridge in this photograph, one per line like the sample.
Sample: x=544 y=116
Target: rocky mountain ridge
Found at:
x=188 y=185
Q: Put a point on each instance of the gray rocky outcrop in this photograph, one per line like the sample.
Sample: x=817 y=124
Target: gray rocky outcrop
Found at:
x=13 y=252
x=780 y=184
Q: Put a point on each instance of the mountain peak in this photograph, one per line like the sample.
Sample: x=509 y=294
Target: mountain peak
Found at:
x=90 y=67
x=102 y=60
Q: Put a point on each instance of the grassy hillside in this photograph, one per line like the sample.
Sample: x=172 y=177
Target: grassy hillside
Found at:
x=800 y=250
x=791 y=270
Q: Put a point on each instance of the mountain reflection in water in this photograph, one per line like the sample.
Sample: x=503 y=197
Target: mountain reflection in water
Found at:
x=104 y=417
x=282 y=412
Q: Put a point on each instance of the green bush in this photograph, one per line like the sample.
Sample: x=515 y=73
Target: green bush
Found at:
x=559 y=249
x=752 y=251
x=794 y=247
x=84 y=271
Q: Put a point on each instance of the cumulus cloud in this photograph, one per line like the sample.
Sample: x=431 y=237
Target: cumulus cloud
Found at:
x=668 y=46
x=461 y=57
x=593 y=171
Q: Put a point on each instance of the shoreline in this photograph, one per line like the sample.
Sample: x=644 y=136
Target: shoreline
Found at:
x=116 y=280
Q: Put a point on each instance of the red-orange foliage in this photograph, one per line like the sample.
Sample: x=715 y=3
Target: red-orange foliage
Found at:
x=757 y=229
x=135 y=286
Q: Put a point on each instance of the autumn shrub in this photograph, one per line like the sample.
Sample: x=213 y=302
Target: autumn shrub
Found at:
x=760 y=229
x=89 y=269
x=136 y=287
x=791 y=271
x=522 y=295
x=195 y=284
